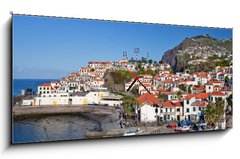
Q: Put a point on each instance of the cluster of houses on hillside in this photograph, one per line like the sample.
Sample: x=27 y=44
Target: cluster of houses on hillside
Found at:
x=179 y=96
x=182 y=96
x=87 y=85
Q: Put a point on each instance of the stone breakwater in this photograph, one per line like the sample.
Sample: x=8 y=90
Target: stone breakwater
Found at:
x=20 y=113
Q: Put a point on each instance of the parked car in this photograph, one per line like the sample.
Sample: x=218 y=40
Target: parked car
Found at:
x=172 y=126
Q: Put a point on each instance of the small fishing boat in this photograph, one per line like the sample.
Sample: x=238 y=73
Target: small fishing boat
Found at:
x=132 y=132
x=184 y=128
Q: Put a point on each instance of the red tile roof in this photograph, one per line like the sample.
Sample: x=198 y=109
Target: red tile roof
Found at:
x=167 y=81
x=161 y=89
x=168 y=93
x=46 y=85
x=148 y=98
x=170 y=103
x=189 y=96
x=202 y=87
x=198 y=103
x=216 y=93
x=202 y=96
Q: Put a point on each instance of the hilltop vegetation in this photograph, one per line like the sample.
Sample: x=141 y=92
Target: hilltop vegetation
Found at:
x=200 y=53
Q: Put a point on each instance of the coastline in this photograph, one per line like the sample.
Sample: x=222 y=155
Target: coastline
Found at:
x=63 y=123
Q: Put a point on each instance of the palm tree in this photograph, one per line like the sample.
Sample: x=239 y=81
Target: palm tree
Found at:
x=214 y=113
x=128 y=104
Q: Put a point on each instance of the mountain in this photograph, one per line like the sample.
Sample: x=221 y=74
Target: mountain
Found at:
x=199 y=53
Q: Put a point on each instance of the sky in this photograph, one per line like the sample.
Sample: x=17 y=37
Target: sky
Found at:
x=50 y=48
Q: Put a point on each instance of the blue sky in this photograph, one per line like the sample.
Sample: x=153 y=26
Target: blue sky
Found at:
x=50 y=48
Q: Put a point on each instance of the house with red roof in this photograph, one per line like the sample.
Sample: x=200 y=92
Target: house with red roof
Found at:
x=188 y=100
x=198 y=89
x=200 y=77
x=197 y=109
x=171 y=110
x=169 y=95
x=149 y=108
x=84 y=70
x=216 y=94
x=44 y=88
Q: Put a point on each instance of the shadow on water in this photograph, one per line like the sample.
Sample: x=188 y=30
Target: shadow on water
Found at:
x=53 y=128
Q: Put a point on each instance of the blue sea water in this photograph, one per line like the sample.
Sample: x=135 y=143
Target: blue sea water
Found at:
x=23 y=84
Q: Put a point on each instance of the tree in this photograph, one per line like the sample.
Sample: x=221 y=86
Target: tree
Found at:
x=183 y=87
x=160 y=62
x=139 y=66
x=28 y=91
x=226 y=79
x=143 y=60
x=150 y=61
x=214 y=113
x=150 y=72
x=198 y=83
x=179 y=94
x=82 y=89
x=134 y=90
x=141 y=71
x=160 y=97
x=128 y=104
x=155 y=62
x=131 y=60
x=229 y=102
x=189 y=90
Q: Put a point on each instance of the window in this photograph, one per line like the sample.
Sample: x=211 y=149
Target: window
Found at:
x=209 y=87
x=166 y=109
x=44 y=88
x=44 y=92
x=40 y=88
x=178 y=109
x=170 y=109
x=47 y=91
x=187 y=101
x=194 y=109
x=161 y=111
x=187 y=110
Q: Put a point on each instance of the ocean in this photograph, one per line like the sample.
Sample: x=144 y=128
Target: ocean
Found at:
x=23 y=84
